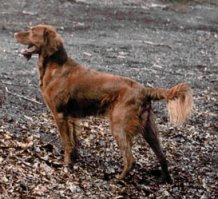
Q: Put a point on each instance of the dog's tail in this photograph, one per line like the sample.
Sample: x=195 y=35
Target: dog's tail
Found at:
x=179 y=101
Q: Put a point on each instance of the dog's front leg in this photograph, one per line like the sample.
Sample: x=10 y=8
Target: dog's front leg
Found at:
x=65 y=125
x=68 y=136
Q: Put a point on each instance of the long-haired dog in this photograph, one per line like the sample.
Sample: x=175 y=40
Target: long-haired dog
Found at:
x=72 y=91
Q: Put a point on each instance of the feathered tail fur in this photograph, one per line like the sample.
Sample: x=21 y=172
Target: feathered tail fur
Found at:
x=179 y=101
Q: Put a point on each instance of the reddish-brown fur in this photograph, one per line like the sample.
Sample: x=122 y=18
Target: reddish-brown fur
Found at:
x=73 y=91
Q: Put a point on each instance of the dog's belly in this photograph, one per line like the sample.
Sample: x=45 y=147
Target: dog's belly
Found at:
x=83 y=108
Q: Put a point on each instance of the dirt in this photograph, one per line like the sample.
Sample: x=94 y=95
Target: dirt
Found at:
x=158 y=43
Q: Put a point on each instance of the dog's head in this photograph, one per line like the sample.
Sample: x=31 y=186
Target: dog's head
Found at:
x=40 y=39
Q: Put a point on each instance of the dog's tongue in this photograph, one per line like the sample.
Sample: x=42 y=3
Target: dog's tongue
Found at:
x=27 y=53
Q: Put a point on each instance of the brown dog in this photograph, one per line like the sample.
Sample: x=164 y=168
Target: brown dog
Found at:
x=73 y=91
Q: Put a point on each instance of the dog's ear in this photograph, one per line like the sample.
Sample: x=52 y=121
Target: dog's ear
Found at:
x=52 y=41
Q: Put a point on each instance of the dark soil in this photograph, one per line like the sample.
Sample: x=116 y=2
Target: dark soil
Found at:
x=158 y=43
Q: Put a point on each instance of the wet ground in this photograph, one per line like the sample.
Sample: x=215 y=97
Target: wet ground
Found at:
x=154 y=42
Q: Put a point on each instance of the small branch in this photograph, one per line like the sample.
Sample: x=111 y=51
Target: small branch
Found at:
x=22 y=97
x=156 y=44
x=18 y=85
x=25 y=163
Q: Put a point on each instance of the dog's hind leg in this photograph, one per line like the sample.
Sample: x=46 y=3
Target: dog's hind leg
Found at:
x=125 y=145
x=150 y=133
x=124 y=142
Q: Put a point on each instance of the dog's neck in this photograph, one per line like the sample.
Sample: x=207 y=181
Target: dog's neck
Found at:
x=59 y=58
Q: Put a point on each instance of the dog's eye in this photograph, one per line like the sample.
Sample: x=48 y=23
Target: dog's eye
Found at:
x=27 y=29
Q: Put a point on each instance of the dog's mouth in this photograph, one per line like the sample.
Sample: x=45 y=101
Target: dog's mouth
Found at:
x=27 y=53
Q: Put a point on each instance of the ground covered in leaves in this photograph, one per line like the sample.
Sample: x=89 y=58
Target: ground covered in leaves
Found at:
x=158 y=43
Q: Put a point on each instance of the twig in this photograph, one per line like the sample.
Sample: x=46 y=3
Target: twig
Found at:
x=18 y=85
x=25 y=163
x=22 y=97
x=157 y=44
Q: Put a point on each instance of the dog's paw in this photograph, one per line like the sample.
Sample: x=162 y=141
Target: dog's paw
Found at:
x=166 y=179
x=116 y=180
x=67 y=161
